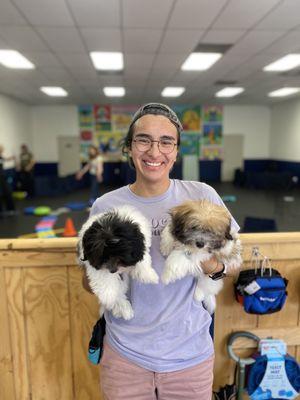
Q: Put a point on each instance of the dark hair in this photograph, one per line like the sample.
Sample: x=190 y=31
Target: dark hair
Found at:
x=127 y=143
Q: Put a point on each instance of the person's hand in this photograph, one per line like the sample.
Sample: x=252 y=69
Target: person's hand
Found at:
x=99 y=178
x=211 y=266
x=78 y=176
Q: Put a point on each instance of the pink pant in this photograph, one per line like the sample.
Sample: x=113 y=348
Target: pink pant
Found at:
x=123 y=380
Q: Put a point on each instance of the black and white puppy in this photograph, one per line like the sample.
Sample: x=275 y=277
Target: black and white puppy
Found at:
x=113 y=245
x=198 y=230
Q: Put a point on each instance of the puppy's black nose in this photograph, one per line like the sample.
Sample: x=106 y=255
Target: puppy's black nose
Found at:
x=200 y=244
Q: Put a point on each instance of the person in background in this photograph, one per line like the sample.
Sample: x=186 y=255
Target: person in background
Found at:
x=5 y=190
x=25 y=168
x=95 y=168
x=165 y=352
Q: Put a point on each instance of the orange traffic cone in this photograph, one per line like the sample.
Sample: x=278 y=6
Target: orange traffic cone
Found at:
x=69 y=230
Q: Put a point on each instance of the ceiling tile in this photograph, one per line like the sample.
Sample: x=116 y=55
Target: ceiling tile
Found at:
x=62 y=39
x=152 y=14
x=138 y=60
x=42 y=59
x=102 y=39
x=141 y=40
x=180 y=40
x=254 y=42
x=96 y=13
x=215 y=36
x=243 y=14
x=45 y=12
x=286 y=44
x=22 y=38
x=195 y=14
x=55 y=73
x=169 y=61
x=9 y=15
x=285 y=16
x=76 y=60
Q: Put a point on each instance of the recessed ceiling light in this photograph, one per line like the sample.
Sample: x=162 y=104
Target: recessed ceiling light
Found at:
x=54 y=91
x=114 y=91
x=200 y=61
x=172 y=91
x=14 y=59
x=286 y=91
x=285 y=63
x=229 y=92
x=107 y=61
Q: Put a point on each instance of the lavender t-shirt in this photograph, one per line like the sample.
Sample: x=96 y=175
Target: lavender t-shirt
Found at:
x=170 y=329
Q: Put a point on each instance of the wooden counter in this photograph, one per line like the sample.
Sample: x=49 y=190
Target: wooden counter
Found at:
x=46 y=317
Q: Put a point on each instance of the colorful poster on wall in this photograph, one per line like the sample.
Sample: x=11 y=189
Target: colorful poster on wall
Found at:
x=190 y=117
x=190 y=143
x=213 y=152
x=86 y=117
x=109 y=142
x=106 y=126
x=86 y=129
x=121 y=117
x=212 y=134
x=213 y=114
x=102 y=115
x=86 y=136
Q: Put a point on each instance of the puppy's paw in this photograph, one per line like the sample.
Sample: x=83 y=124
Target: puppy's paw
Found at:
x=145 y=275
x=210 y=303
x=198 y=294
x=168 y=276
x=123 y=309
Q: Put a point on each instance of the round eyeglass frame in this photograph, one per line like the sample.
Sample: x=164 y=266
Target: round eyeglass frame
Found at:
x=136 y=141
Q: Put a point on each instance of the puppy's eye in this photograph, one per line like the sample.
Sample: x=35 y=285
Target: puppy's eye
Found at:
x=194 y=228
x=200 y=244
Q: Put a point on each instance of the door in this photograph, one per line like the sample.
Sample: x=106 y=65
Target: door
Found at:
x=233 y=155
x=68 y=155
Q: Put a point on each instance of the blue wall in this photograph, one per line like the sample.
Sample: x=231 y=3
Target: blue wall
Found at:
x=263 y=173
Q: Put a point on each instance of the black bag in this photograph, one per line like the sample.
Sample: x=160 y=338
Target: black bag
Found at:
x=96 y=342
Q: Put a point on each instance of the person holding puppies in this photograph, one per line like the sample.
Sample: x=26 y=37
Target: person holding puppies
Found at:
x=165 y=351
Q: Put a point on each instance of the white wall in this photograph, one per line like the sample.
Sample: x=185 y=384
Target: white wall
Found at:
x=14 y=126
x=49 y=122
x=254 y=122
x=285 y=128
x=39 y=126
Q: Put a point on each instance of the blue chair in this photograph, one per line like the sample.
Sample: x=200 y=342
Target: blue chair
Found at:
x=254 y=224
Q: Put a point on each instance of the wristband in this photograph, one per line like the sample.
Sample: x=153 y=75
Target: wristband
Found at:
x=219 y=275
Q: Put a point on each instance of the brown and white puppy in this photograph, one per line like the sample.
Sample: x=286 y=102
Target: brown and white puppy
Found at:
x=199 y=229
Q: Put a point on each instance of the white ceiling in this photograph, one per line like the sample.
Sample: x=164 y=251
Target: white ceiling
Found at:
x=155 y=36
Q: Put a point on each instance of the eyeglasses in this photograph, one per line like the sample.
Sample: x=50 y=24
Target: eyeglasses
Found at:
x=165 y=146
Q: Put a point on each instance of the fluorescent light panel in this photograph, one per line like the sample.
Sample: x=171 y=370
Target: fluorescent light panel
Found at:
x=171 y=91
x=286 y=91
x=107 y=61
x=200 y=61
x=54 y=91
x=114 y=91
x=14 y=59
x=229 y=92
x=285 y=63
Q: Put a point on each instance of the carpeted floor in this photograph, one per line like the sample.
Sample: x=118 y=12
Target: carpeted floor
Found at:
x=249 y=202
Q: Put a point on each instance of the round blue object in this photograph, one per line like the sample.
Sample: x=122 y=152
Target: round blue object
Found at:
x=76 y=206
x=29 y=210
